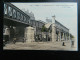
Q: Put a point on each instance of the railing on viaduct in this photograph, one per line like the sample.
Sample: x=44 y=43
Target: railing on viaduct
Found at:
x=15 y=14
x=62 y=27
x=12 y=12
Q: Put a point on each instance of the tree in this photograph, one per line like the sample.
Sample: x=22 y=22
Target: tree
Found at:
x=44 y=29
x=71 y=35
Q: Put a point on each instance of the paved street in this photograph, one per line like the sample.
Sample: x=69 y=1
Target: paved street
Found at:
x=40 y=46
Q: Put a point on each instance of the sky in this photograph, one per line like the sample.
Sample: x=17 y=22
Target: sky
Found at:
x=65 y=13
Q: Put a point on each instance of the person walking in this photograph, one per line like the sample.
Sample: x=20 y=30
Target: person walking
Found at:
x=72 y=43
x=14 y=40
x=63 y=44
x=23 y=39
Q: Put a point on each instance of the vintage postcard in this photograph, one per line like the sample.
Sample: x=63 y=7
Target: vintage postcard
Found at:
x=40 y=26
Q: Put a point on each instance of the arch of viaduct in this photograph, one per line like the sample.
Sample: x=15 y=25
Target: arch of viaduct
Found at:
x=61 y=31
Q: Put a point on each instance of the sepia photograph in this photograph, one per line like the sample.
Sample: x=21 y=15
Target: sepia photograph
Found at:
x=40 y=26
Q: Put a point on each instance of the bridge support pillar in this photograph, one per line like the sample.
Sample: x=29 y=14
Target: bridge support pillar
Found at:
x=69 y=37
x=66 y=37
x=7 y=33
x=29 y=34
x=59 y=35
x=12 y=33
x=14 y=28
x=63 y=36
x=7 y=30
x=53 y=33
x=53 y=29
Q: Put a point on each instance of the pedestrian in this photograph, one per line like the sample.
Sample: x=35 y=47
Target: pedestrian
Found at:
x=63 y=44
x=3 y=43
x=23 y=40
x=14 y=40
x=72 y=43
x=36 y=38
